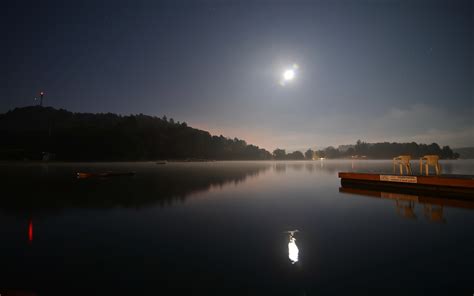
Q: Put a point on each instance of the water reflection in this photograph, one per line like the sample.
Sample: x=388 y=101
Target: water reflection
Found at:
x=434 y=213
x=405 y=204
x=293 y=251
x=30 y=189
x=136 y=252
x=280 y=167
x=333 y=166
x=30 y=231
x=405 y=208
x=41 y=186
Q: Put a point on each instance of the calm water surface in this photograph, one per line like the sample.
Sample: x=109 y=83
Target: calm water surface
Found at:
x=219 y=228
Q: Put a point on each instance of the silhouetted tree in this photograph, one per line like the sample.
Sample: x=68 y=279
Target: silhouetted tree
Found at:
x=279 y=154
x=296 y=155
x=388 y=150
x=309 y=154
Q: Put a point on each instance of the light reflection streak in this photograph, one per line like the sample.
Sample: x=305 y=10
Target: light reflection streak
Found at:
x=293 y=251
x=30 y=231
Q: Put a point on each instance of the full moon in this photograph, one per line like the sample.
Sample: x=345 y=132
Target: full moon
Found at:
x=289 y=74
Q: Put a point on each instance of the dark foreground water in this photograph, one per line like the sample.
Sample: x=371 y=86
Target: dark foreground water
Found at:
x=218 y=228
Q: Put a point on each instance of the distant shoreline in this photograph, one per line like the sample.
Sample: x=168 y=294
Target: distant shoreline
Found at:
x=210 y=161
x=49 y=134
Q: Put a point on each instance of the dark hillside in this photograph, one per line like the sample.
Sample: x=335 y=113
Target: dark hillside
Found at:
x=25 y=133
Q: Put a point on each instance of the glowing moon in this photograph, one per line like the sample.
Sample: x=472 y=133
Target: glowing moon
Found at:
x=289 y=74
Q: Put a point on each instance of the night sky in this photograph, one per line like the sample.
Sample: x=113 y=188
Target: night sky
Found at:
x=371 y=70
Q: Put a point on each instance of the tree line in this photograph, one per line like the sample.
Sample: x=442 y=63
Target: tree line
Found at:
x=26 y=133
x=30 y=132
x=360 y=149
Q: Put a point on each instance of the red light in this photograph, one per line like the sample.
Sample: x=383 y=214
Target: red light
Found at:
x=30 y=231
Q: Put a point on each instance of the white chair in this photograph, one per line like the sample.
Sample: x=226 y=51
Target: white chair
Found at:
x=430 y=160
x=402 y=161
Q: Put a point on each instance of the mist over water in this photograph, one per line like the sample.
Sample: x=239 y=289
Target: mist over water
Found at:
x=222 y=228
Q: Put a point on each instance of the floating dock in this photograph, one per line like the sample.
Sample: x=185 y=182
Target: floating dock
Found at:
x=449 y=185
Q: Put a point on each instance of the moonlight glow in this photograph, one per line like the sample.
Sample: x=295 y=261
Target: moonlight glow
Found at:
x=289 y=74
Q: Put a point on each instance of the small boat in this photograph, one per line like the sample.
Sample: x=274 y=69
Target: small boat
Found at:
x=83 y=175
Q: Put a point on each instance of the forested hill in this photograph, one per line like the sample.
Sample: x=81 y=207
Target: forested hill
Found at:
x=386 y=150
x=466 y=152
x=25 y=133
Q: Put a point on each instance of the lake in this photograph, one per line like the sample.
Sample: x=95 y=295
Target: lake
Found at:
x=221 y=228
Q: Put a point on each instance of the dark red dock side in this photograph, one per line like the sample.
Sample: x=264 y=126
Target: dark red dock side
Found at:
x=443 y=184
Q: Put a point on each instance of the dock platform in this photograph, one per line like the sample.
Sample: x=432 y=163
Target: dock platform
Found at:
x=457 y=185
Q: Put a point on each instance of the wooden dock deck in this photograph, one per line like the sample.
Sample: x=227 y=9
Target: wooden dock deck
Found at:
x=458 y=185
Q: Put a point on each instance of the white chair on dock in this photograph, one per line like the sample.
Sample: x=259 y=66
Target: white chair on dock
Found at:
x=430 y=160
x=402 y=161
